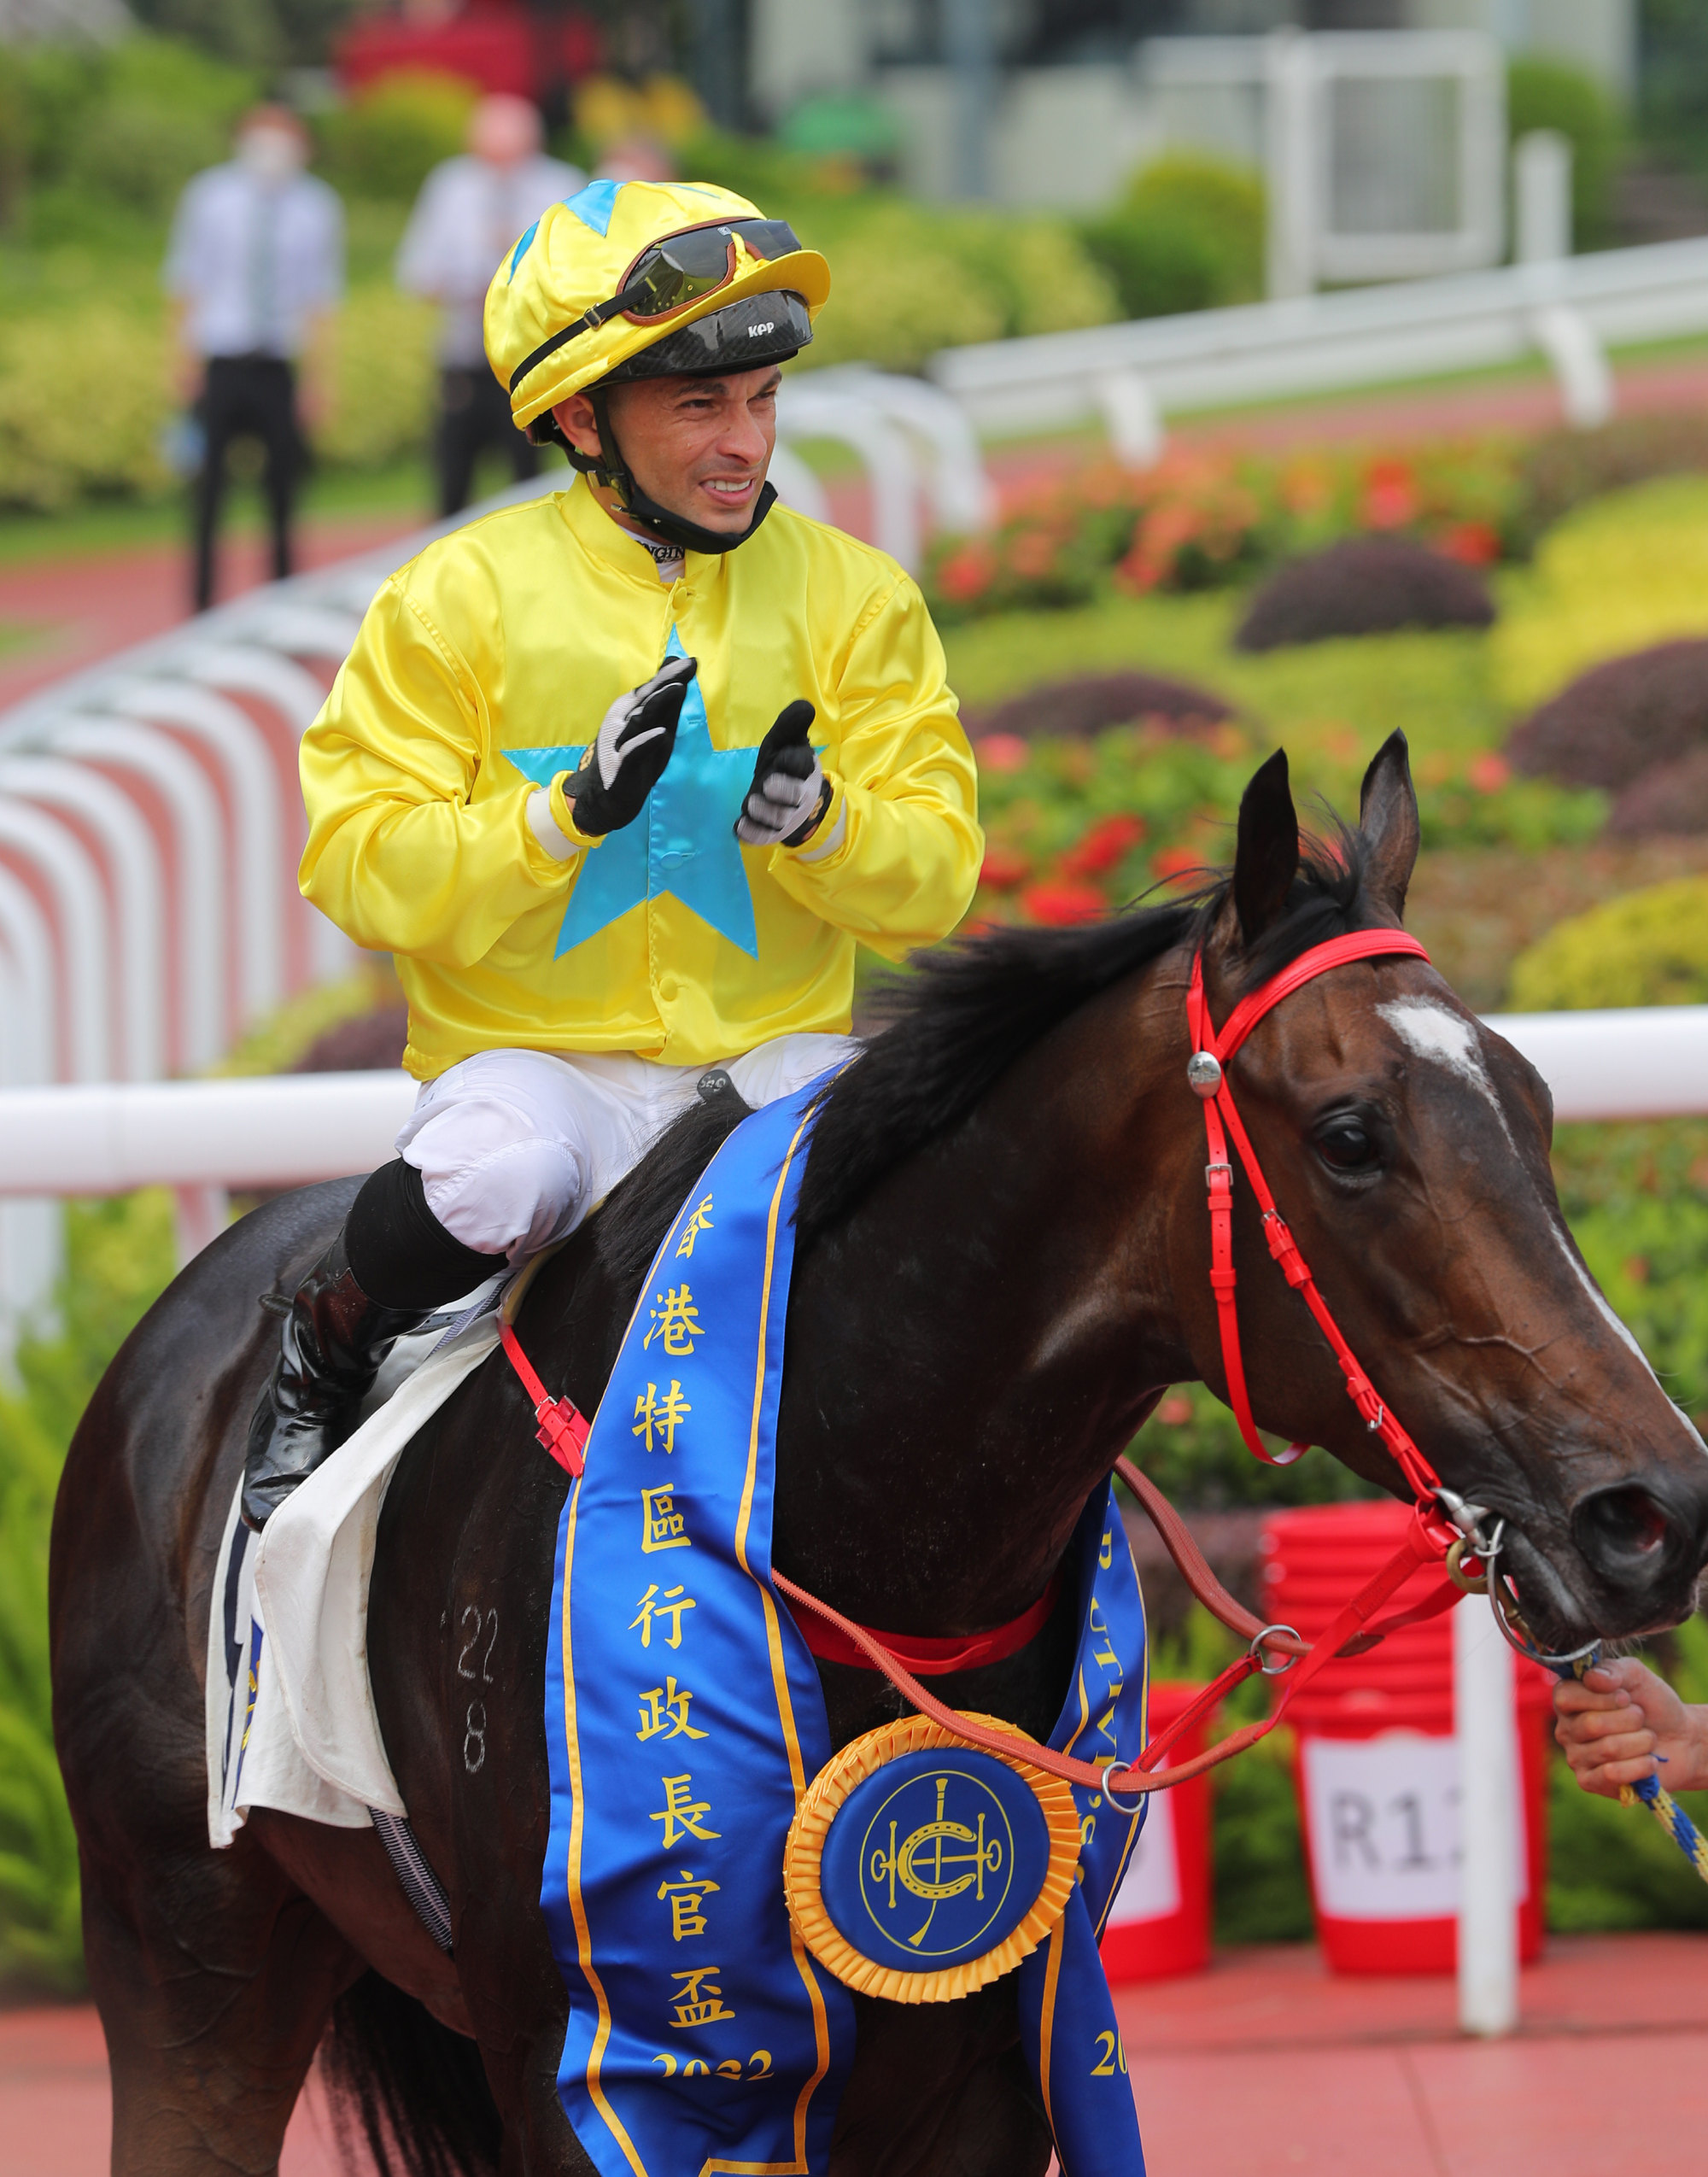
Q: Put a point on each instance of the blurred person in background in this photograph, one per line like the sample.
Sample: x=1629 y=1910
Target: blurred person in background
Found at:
x=469 y=211
x=255 y=267
x=635 y=158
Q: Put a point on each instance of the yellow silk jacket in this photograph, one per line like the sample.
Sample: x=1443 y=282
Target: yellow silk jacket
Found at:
x=483 y=670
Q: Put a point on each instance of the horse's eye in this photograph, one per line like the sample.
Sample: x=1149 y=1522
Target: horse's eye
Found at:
x=1345 y=1143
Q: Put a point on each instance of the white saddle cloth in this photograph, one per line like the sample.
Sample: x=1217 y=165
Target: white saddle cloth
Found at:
x=290 y=1715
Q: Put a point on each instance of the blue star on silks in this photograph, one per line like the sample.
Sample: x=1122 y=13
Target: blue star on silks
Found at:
x=683 y=841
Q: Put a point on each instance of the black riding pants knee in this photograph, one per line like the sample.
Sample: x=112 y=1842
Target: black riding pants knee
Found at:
x=398 y=1251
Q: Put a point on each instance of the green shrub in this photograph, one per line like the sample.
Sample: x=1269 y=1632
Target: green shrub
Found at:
x=782 y=182
x=1647 y=948
x=54 y=451
x=1037 y=272
x=1626 y=571
x=119 y=1257
x=152 y=113
x=15 y=138
x=1188 y=234
x=140 y=155
x=59 y=85
x=1651 y=1259
x=383 y=378
x=246 y=33
x=1542 y=93
x=385 y=143
x=1156 y=272
x=897 y=293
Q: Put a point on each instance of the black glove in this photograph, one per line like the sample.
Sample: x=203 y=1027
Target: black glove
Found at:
x=631 y=750
x=790 y=793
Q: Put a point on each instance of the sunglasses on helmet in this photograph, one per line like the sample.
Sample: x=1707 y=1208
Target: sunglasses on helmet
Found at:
x=669 y=275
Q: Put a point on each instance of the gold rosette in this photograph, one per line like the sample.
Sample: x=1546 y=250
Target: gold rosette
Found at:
x=830 y=1792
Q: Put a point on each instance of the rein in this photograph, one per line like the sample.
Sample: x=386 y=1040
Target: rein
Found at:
x=1440 y=1529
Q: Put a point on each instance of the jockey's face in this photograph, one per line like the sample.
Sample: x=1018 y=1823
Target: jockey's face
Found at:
x=698 y=447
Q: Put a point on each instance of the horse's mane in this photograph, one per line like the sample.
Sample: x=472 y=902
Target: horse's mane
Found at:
x=966 y=1011
x=957 y=1021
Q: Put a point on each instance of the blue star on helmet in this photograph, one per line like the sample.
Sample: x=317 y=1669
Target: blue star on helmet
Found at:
x=683 y=841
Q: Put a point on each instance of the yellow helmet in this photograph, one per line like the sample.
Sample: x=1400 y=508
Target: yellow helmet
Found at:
x=592 y=286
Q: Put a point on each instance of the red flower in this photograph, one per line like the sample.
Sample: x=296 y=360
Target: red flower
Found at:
x=1002 y=868
x=967 y=571
x=1175 y=862
x=1002 y=752
x=1488 y=772
x=1102 y=846
x=1390 y=494
x=1477 y=543
x=1059 y=902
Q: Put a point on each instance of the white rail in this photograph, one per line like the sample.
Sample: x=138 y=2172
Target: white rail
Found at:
x=105 y=1138
x=1133 y=375
x=279 y=1130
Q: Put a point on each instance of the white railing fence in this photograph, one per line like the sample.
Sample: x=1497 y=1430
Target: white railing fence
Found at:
x=1133 y=376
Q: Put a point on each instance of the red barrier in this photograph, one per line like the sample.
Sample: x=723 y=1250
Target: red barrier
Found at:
x=1160 y=1923
x=1377 y=1770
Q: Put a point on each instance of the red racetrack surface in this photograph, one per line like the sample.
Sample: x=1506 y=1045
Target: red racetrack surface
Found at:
x=1263 y=2067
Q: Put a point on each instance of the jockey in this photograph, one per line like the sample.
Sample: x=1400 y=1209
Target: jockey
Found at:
x=620 y=774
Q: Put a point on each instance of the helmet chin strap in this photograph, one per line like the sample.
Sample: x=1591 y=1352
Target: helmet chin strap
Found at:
x=611 y=468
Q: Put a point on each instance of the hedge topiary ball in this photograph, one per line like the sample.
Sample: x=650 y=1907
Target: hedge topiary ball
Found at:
x=1610 y=724
x=1646 y=948
x=1666 y=797
x=1366 y=585
x=1087 y=706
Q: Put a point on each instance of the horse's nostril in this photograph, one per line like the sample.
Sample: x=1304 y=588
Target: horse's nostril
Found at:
x=1622 y=1525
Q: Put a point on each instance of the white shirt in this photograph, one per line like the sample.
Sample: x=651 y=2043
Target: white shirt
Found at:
x=468 y=214
x=255 y=259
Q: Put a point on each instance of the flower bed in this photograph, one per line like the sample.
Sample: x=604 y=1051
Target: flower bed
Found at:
x=1196 y=519
x=1075 y=828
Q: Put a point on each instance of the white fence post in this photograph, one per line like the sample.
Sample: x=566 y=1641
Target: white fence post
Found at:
x=1490 y=1837
x=1289 y=167
x=1541 y=193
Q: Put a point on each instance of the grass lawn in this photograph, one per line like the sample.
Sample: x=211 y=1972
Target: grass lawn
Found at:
x=1330 y=704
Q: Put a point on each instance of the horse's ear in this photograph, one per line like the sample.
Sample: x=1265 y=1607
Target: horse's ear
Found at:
x=1268 y=854
x=1387 y=818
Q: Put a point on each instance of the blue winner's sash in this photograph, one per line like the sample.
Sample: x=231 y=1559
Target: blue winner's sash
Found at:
x=685 y=1720
x=1067 y=2020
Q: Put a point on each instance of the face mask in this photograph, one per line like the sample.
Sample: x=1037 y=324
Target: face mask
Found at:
x=271 y=154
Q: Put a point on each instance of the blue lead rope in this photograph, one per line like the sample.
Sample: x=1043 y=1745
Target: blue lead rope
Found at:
x=1671 y=1817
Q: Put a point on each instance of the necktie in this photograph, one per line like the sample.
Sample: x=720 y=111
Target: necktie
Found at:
x=264 y=272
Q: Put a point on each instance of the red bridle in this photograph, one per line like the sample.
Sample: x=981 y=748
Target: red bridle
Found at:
x=1207 y=1073
x=1428 y=1537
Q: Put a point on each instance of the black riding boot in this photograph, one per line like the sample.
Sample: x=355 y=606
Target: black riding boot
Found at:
x=334 y=1341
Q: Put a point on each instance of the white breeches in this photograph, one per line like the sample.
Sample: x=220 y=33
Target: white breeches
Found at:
x=514 y=1147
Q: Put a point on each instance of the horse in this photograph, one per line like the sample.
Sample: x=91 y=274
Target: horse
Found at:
x=1001 y=1263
